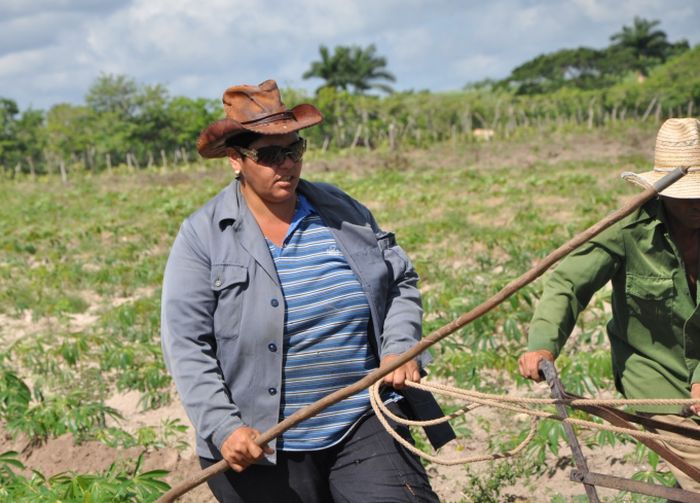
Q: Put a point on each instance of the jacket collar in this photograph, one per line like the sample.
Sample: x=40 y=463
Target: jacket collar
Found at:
x=232 y=207
x=234 y=213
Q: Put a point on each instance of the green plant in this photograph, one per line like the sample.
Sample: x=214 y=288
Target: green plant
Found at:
x=487 y=488
x=114 y=485
x=53 y=416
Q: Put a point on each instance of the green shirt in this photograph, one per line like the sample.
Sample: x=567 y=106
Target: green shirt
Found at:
x=655 y=327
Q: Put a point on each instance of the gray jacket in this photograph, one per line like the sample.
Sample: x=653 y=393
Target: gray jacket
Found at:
x=222 y=312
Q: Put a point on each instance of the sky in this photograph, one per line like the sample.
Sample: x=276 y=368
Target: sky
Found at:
x=51 y=51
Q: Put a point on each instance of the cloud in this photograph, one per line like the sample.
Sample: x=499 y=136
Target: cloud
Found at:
x=606 y=11
x=52 y=50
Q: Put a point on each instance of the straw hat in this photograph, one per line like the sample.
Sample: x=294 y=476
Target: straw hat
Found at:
x=677 y=145
x=258 y=109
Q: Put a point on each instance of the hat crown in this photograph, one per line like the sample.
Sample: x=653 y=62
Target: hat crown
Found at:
x=246 y=103
x=255 y=109
x=678 y=144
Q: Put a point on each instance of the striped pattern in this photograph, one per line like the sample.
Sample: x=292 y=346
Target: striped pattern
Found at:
x=325 y=334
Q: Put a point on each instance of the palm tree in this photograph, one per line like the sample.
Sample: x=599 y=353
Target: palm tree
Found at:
x=351 y=67
x=645 y=45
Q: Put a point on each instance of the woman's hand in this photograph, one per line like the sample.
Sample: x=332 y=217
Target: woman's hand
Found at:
x=529 y=363
x=409 y=371
x=240 y=450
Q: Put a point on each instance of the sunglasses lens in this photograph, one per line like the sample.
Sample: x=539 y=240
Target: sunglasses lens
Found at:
x=270 y=156
x=274 y=155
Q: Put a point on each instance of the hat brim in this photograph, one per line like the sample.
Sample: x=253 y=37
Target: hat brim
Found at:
x=212 y=140
x=687 y=187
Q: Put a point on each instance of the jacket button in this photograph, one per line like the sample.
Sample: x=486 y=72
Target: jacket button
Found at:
x=274 y=302
x=272 y=347
x=217 y=283
x=272 y=391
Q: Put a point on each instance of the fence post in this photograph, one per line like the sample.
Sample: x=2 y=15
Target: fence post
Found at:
x=32 y=171
x=358 y=131
x=64 y=175
x=657 y=115
x=591 y=111
x=392 y=136
x=649 y=108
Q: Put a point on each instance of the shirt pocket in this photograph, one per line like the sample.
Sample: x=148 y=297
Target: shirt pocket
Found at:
x=229 y=282
x=650 y=297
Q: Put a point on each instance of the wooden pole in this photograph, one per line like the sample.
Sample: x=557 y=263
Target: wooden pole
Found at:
x=32 y=171
x=64 y=176
x=377 y=374
x=356 y=138
x=649 y=108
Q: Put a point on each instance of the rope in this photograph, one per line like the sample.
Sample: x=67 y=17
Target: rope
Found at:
x=510 y=403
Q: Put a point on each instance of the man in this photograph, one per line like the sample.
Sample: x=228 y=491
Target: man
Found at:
x=651 y=257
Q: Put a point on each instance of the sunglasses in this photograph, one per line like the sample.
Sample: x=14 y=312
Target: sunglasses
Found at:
x=274 y=155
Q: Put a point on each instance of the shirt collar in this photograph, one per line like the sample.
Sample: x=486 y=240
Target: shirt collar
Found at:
x=652 y=213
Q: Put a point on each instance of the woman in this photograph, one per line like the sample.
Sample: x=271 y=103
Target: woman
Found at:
x=276 y=293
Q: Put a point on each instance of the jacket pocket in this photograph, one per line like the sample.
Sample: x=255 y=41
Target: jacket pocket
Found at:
x=650 y=297
x=229 y=282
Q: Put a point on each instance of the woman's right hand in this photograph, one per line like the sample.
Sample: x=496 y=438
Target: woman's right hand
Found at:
x=240 y=450
x=529 y=363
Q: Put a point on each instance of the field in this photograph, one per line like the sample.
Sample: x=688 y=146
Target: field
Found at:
x=84 y=391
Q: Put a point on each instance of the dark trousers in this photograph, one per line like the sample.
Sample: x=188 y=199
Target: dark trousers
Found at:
x=368 y=466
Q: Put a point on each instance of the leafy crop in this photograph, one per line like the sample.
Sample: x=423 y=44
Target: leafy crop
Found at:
x=83 y=263
x=114 y=485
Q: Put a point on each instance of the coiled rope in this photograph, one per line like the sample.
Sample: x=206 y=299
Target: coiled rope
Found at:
x=514 y=404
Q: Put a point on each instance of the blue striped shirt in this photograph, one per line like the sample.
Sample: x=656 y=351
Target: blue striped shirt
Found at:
x=326 y=347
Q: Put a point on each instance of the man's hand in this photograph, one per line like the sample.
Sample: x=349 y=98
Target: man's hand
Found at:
x=409 y=371
x=695 y=395
x=529 y=363
x=240 y=450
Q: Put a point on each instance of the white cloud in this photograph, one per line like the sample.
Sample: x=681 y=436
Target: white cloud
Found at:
x=52 y=50
x=606 y=10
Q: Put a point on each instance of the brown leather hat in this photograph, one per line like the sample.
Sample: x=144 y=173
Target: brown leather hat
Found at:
x=257 y=109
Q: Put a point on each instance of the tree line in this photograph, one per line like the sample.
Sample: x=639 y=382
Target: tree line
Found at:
x=123 y=122
x=636 y=50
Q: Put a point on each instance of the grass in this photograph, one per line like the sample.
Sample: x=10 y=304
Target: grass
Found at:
x=472 y=217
